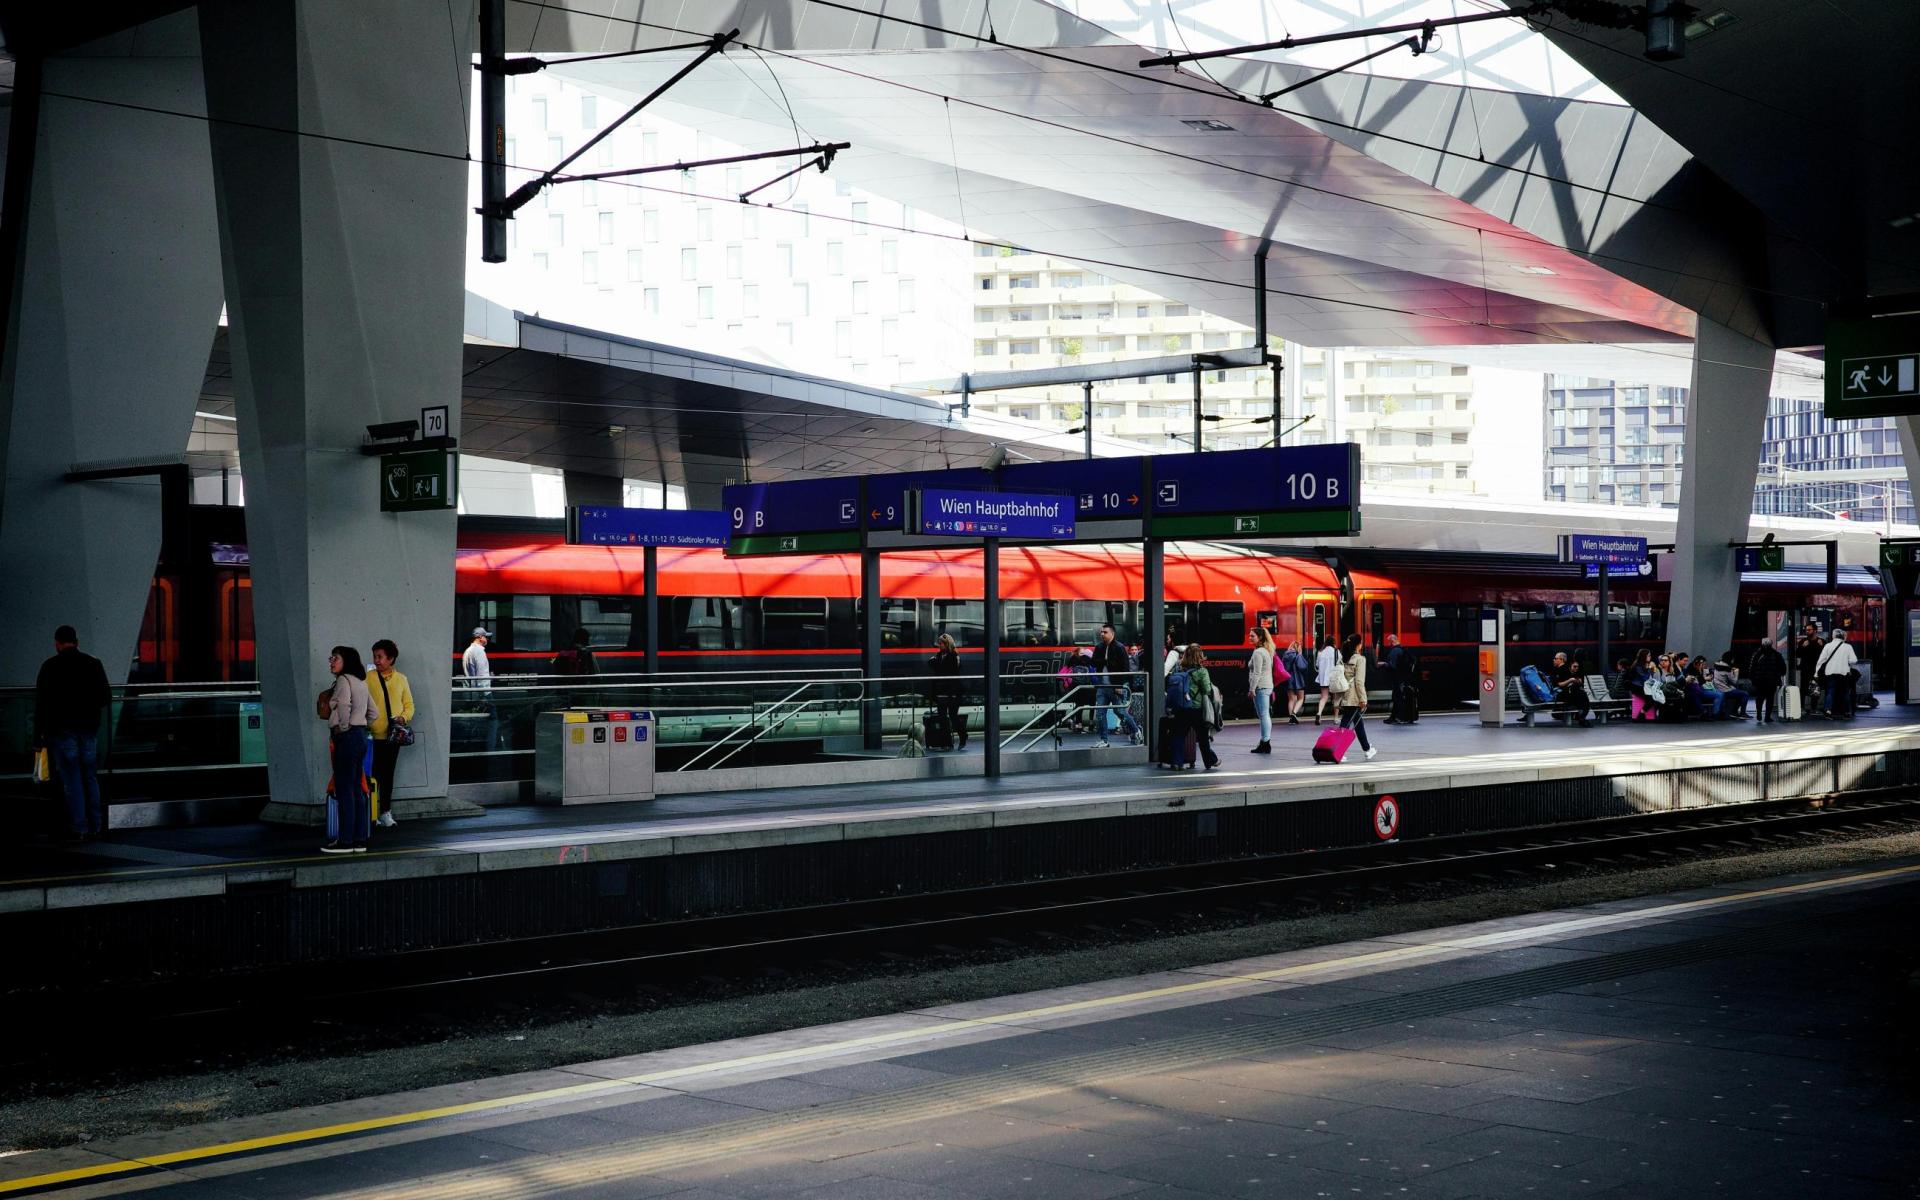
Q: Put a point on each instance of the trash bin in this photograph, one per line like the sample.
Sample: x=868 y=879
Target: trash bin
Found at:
x=593 y=756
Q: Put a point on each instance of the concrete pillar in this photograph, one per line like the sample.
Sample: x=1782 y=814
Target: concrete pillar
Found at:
x=339 y=136
x=1726 y=415
x=601 y=490
x=115 y=296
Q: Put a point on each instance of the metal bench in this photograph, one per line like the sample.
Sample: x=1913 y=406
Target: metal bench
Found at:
x=1518 y=701
x=1605 y=704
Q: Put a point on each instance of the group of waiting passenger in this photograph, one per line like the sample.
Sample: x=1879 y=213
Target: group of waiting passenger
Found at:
x=1675 y=686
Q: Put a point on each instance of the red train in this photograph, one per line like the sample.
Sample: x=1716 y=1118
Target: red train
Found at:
x=520 y=581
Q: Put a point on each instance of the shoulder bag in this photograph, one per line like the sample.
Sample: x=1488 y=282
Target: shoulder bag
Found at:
x=399 y=733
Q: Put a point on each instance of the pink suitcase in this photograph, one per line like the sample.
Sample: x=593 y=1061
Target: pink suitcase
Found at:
x=1333 y=744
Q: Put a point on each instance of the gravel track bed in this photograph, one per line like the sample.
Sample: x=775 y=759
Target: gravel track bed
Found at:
x=312 y=1061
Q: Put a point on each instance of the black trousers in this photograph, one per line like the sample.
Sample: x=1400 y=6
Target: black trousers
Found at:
x=386 y=756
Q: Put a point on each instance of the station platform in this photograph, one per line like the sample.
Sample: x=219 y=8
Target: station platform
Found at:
x=526 y=871
x=1749 y=1039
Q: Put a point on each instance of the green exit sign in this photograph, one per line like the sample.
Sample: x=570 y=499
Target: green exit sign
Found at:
x=419 y=481
x=1873 y=367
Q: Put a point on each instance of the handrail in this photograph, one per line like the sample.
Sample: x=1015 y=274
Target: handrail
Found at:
x=776 y=706
x=1055 y=707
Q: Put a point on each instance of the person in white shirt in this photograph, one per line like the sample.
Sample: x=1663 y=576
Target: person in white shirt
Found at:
x=1836 y=675
x=474 y=664
x=1325 y=664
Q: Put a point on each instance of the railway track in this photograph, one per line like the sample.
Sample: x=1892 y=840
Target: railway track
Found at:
x=759 y=950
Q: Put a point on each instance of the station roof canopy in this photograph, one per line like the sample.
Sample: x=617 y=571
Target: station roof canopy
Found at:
x=556 y=395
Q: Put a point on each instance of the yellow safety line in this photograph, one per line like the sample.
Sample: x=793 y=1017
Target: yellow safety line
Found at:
x=1383 y=773
x=1374 y=958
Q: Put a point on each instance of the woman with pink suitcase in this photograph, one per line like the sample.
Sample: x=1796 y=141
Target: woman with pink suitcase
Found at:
x=1349 y=685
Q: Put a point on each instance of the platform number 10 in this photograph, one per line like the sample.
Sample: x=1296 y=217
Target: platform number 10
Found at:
x=1312 y=487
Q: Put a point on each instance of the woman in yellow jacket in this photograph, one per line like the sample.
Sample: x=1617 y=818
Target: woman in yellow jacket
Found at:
x=391 y=725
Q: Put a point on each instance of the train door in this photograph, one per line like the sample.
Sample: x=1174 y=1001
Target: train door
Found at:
x=1379 y=616
x=1319 y=617
x=233 y=637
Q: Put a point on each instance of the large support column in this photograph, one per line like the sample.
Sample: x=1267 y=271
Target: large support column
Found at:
x=115 y=297
x=1726 y=415
x=339 y=136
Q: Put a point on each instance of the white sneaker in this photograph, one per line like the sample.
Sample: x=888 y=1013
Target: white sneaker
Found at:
x=386 y=818
x=1372 y=750
x=1102 y=744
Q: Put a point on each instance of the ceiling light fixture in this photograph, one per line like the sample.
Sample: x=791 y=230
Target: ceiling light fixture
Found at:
x=1702 y=26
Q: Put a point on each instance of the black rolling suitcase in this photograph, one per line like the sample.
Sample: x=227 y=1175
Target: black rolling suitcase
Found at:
x=1177 y=744
x=1406 y=706
x=939 y=731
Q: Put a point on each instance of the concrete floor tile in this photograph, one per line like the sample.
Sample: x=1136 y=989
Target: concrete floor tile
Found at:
x=776 y=1095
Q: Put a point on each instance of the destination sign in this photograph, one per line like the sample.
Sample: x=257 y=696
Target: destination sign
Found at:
x=594 y=525
x=1102 y=488
x=886 y=506
x=1613 y=549
x=989 y=514
x=1277 y=479
x=800 y=506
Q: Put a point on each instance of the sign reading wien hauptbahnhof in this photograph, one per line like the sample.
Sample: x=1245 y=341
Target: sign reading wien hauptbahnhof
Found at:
x=989 y=514
x=1607 y=549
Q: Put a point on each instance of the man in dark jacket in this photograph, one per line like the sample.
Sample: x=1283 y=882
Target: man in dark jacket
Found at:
x=1109 y=660
x=1765 y=670
x=1403 y=668
x=68 y=697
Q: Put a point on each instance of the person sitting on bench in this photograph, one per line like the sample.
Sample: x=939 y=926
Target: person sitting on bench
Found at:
x=1570 y=689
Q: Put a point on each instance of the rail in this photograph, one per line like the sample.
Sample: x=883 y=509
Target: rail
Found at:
x=788 y=707
x=1056 y=727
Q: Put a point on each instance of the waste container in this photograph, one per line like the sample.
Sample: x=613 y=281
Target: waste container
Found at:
x=593 y=756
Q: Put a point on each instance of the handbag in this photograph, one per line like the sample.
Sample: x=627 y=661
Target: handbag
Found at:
x=399 y=733
x=1280 y=674
x=1338 y=682
x=1216 y=709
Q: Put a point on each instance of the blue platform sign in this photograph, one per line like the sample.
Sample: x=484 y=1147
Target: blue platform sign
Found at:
x=800 y=506
x=989 y=514
x=1612 y=549
x=1102 y=488
x=1277 y=479
x=887 y=494
x=593 y=525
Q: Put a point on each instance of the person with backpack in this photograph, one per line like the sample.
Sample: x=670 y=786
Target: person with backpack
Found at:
x=1260 y=665
x=1297 y=672
x=1189 y=699
x=391 y=725
x=576 y=659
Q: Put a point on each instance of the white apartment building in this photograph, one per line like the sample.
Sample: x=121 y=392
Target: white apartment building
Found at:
x=813 y=275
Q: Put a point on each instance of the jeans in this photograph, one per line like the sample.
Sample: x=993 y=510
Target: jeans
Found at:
x=349 y=753
x=1839 y=695
x=1105 y=697
x=1263 y=708
x=75 y=755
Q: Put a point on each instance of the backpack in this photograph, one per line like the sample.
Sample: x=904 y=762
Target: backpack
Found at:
x=1177 y=694
x=567 y=662
x=1535 y=685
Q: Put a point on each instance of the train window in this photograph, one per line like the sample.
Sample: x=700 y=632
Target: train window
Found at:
x=529 y=624
x=709 y=623
x=965 y=620
x=1321 y=631
x=615 y=622
x=1029 y=623
x=788 y=623
x=1376 y=624
x=1128 y=618
x=1573 y=623
x=1179 y=620
x=1528 y=623
x=899 y=623
x=1220 y=624
x=1444 y=623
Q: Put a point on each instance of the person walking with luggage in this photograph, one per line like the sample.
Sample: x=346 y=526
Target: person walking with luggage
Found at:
x=1324 y=665
x=349 y=707
x=1109 y=660
x=1808 y=660
x=1260 y=686
x=390 y=724
x=1297 y=671
x=1835 y=670
x=1196 y=715
x=944 y=693
x=68 y=696
x=1765 y=671
x=1353 y=701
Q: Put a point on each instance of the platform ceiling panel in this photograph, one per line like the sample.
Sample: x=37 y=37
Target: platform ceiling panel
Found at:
x=1077 y=153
